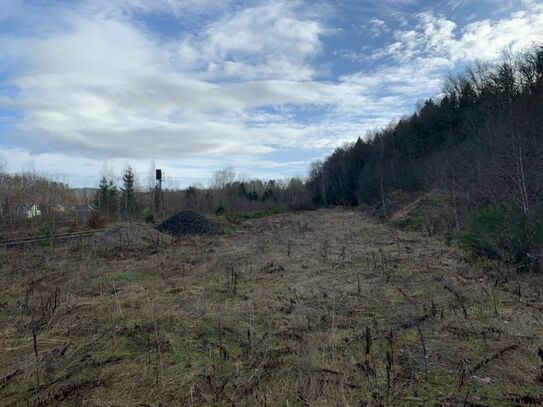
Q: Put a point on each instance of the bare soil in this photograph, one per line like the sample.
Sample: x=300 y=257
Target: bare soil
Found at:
x=323 y=308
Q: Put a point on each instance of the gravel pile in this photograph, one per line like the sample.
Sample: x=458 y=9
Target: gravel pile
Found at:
x=188 y=223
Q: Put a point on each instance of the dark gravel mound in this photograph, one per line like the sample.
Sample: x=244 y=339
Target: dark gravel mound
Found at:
x=188 y=223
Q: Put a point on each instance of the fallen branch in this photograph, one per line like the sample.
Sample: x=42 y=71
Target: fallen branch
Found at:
x=492 y=357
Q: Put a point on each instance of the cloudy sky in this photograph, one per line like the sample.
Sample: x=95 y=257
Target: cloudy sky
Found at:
x=266 y=86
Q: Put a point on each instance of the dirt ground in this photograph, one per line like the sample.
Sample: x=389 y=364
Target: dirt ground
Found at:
x=323 y=308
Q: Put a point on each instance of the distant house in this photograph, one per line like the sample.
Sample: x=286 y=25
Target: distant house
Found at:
x=58 y=209
x=28 y=211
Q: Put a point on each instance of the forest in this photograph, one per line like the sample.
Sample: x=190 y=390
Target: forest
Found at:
x=479 y=144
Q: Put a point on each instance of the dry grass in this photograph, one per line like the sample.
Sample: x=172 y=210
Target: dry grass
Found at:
x=324 y=308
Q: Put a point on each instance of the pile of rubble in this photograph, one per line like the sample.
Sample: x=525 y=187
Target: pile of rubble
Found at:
x=188 y=223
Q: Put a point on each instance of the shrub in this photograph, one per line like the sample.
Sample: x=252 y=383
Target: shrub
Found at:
x=504 y=233
x=253 y=215
x=259 y=214
x=221 y=210
x=46 y=230
x=149 y=218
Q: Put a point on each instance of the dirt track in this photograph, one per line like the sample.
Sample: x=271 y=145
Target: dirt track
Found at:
x=320 y=308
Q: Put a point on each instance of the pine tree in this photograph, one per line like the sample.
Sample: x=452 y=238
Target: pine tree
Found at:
x=102 y=196
x=112 y=199
x=106 y=198
x=128 y=192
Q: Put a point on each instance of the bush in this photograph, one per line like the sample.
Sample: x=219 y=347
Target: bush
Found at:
x=221 y=210
x=46 y=230
x=504 y=233
x=149 y=218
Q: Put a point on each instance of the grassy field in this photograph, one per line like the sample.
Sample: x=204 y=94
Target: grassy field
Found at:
x=323 y=308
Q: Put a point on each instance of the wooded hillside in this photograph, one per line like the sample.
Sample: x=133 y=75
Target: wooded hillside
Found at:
x=479 y=142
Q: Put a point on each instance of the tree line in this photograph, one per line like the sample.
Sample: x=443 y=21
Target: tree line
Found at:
x=226 y=194
x=480 y=142
x=115 y=202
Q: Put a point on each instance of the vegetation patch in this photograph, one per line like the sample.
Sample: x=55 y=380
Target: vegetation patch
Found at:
x=256 y=214
x=504 y=233
x=326 y=306
x=429 y=214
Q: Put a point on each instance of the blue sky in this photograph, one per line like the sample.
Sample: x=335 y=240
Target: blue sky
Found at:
x=87 y=87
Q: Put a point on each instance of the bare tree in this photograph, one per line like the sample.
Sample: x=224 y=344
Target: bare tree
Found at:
x=151 y=176
x=223 y=177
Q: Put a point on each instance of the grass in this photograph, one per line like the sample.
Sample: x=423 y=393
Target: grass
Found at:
x=256 y=214
x=263 y=316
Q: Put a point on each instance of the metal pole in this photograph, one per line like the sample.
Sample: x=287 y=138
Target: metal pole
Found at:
x=160 y=199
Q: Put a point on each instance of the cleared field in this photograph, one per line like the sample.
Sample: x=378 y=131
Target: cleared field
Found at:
x=324 y=308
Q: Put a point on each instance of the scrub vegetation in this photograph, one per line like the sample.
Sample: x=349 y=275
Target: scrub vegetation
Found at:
x=317 y=308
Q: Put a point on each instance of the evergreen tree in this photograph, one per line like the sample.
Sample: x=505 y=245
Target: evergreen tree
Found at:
x=106 y=199
x=128 y=192
x=113 y=199
x=102 y=196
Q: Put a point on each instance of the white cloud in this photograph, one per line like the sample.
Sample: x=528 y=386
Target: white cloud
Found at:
x=179 y=8
x=262 y=42
x=97 y=84
x=378 y=27
x=103 y=88
x=437 y=36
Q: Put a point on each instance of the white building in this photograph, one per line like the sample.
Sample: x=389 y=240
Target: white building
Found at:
x=29 y=211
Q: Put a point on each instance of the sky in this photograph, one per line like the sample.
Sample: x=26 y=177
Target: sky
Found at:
x=88 y=87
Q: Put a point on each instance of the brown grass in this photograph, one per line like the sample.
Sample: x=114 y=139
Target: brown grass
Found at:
x=324 y=308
